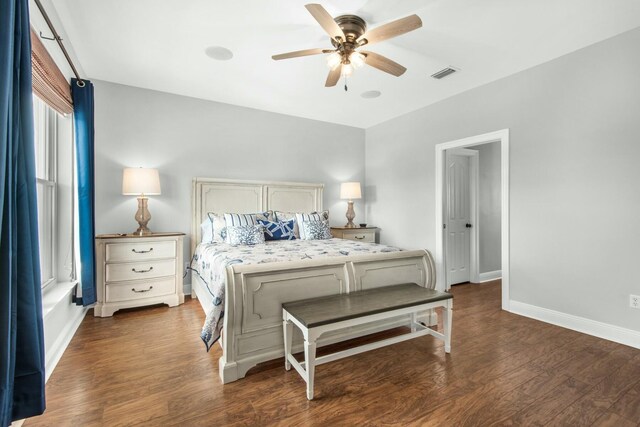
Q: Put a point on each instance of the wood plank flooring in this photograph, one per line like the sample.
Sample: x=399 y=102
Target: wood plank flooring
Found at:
x=149 y=367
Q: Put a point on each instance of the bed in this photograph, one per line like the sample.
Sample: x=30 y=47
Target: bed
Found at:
x=254 y=292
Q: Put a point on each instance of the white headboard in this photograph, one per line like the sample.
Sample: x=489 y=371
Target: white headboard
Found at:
x=238 y=196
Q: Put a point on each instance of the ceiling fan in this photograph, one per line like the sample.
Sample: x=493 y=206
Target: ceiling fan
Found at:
x=348 y=34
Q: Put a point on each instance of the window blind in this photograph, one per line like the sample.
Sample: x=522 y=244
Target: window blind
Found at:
x=49 y=84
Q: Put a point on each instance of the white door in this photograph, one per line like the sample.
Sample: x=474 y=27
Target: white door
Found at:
x=458 y=215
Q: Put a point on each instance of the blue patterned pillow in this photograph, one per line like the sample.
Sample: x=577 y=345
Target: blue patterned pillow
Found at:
x=316 y=230
x=278 y=230
x=245 y=234
x=301 y=218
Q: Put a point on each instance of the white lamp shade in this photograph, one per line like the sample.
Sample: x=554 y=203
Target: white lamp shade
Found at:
x=136 y=181
x=350 y=190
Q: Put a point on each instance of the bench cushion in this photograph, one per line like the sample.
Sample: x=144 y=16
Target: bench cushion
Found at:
x=336 y=308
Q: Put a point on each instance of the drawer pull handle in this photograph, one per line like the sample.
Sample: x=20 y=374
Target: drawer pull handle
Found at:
x=141 y=252
x=142 y=291
x=359 y=237
x=142 y=271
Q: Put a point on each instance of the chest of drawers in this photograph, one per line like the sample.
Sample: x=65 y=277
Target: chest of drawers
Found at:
x=133 y=271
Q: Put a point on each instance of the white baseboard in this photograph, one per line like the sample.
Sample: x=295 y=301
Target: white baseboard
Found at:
x=490 y=275
x=62 y=342
x=587 y=326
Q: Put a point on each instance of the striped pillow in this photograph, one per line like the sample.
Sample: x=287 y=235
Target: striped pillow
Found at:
x=235 y=219
x=232 y=219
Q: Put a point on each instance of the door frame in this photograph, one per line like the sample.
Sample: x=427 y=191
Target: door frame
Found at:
x=501 y=136
x=474 y=179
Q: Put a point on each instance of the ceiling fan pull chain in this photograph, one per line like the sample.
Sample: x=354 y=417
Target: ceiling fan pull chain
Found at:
x=346 y=89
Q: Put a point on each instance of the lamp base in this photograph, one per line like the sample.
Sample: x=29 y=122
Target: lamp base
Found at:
x=142 y=232
x=351 y=214
x=143 y=217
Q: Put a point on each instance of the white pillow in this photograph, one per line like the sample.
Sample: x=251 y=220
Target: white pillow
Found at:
x=206 y=230
x=313 y=216
x=219 y=227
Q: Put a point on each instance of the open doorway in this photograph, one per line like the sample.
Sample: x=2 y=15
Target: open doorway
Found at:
x=472 y=216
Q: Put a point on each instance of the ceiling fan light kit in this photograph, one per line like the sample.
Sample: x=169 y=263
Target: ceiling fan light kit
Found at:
x=357 y=59
x=348 y=34
x=334 y=60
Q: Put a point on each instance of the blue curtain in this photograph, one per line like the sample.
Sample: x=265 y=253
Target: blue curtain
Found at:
x=22 y=374
x=82 y=95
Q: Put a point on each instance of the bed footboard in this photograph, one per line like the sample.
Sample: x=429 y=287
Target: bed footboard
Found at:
x=255 y=293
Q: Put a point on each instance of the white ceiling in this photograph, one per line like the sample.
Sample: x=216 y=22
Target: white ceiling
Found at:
x=160 y=45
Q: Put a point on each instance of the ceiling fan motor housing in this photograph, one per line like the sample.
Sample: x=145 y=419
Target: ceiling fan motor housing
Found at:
x=352 y=26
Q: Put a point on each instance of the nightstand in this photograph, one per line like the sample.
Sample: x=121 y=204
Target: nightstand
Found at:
x=360 y=234
x=134 y=271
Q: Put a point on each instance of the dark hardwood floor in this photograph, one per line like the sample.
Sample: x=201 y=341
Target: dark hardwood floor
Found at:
x=149 y=367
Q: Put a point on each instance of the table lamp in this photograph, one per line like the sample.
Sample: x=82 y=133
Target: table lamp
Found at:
x=141 y=182
x=350 y=191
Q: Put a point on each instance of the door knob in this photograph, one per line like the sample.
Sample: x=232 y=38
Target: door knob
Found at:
x=468 y=225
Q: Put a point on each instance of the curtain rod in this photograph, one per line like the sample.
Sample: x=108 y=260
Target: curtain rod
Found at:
x=57 y=38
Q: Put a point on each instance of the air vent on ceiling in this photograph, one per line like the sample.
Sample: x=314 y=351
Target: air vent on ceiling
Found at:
x=444 y=73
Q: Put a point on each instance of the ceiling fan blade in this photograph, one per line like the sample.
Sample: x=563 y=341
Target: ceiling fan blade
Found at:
x=333 y=77
x=299 y=53
x=325 y=20
x=392 y=29
x=383 y=63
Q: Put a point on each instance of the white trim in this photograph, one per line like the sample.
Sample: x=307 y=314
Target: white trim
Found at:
x=58 y=297
x=54 y=355
x=474 y=174
x=501 y=136
x=489 y=276
x=56 y=294
x=587 y=326
x=45 y=120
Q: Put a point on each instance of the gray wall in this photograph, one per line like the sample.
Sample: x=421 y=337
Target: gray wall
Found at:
x=187 y=137
x=489 y=205
x=575 y=145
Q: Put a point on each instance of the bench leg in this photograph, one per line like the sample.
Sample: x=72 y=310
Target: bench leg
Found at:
x=287 y=327
x=447 y=321
x=414 y=321
x=310 y=364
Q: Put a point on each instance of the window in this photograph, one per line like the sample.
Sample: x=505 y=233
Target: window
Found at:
x=45 y=136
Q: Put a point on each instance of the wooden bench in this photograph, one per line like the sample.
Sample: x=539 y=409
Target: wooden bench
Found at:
x=319 y=315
